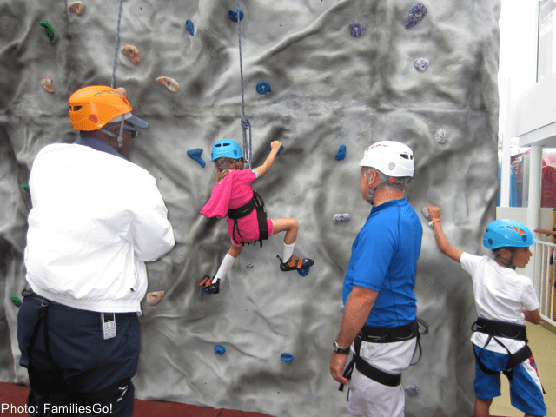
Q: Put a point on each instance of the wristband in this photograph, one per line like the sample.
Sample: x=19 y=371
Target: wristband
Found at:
x=434 y=221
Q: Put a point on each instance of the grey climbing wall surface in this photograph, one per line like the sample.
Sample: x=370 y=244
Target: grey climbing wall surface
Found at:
x=328 y=88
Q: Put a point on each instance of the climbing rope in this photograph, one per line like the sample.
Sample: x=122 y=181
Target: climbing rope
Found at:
x=245 y=125
x=112 y=82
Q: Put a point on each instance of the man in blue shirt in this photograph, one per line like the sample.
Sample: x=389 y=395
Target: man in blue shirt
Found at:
x=379 y=320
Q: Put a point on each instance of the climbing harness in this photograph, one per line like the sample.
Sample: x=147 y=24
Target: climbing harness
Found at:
x=245 y=125
x=506 y=330
x=113 y=81
x=256 y=203
x=381 y=335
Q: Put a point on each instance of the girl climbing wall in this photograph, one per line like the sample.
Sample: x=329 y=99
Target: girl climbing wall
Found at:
x=233 y=196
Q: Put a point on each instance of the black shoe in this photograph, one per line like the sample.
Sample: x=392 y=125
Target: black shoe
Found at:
x=210 y=287
x=295 y=263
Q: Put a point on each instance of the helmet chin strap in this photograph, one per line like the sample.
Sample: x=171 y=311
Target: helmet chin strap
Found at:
x=119 y=136
x=508 y=263
x=370 y=196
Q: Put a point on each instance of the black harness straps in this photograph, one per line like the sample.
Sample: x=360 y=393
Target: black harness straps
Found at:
x=256 y=203
x=509 y=331
x=380 y=335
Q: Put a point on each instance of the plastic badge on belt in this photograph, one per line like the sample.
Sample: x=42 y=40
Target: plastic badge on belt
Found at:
x=108 y=325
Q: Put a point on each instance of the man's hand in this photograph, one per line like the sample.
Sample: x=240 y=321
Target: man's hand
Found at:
x=336 y=365
x=276 y=145
x=434 y=212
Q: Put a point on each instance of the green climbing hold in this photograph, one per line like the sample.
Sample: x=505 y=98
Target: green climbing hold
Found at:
x=48 y=29
x=25 y=187
x=15 y=300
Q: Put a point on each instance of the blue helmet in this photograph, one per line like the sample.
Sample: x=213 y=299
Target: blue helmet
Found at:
x=226 y=147
x=507 y=234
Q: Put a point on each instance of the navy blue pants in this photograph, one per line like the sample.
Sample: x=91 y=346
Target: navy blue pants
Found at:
x=73 y=371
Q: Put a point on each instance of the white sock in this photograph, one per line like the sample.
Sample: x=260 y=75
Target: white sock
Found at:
x=288 y=251
x=227 y=263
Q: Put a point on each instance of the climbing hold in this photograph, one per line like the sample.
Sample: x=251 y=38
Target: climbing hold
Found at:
x=357 y=29
x=47 y=85
x=286 y=357
x=441 y=136
x=78 y=8
x=338 y=218
x=250 y=265
x=153 y=298
x=25 y=187
x=280 y=151
x=190 y=27
x=232 y=14
x=412 y=390
x=195 y=154
x=303 y=272
x=171 y=84
x=341 y=153
x=132 y=53
x=421 y=64
x=15 y=300
x=219 y=350
x=48 y=29
x=415 y=15
x=122 y=90
x=263 y=87
x=425 y=213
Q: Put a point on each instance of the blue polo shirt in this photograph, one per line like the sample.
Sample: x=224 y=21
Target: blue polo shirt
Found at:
x=384 y=258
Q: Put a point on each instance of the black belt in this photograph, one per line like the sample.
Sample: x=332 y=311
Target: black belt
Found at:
x=500 y=328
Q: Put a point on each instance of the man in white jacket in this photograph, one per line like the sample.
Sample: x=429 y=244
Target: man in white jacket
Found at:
x=96 y=219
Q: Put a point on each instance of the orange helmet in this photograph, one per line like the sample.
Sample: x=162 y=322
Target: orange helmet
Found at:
x=90 y=108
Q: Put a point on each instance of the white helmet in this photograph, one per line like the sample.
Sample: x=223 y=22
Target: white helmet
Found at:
x=394 y=159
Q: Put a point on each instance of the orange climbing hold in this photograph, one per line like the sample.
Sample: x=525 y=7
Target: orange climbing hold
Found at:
x=47 y=85
x=132 y=53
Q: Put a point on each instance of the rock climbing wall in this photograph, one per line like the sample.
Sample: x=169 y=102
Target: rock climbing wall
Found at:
x=343 y=72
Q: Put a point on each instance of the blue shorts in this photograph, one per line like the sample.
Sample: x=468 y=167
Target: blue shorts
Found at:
x=525 y=388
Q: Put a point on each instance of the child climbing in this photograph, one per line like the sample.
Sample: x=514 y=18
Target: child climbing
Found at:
x=505 y=300
x=233 y=196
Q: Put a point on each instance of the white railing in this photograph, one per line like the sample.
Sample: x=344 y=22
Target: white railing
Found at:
x=545 y=275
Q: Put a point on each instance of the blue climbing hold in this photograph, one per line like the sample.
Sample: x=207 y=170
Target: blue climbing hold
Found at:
x=286 y=357
x=415 y=15
x=190 y=27
x=263 y=87
x=232 y=14
x=280 y=151
x=303 y=272
x=341 y=153
x=357 y=29
x=219 y=350
x=195 y=154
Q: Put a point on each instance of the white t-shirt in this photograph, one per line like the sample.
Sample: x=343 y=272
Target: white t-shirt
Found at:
x=500 y=294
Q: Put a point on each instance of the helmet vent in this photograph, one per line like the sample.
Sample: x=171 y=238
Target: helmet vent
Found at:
x=524 y=238
x=490 y=241
x=77 y=108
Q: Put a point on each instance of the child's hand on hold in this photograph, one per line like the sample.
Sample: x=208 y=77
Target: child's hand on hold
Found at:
x=276 y=145
x=434 y=212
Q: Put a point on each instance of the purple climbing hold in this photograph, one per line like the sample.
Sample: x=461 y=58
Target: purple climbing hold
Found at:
x=421 y=64
x=441 y=136
x=195 y=154
x=357 y=29
x=412 y=390
x=415 y=15
x=232 y=14
x=339 y=218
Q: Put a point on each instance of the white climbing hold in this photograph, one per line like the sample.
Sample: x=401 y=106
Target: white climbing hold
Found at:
x=47 y=85
x=132 y=53
x=122 y=90
x=169 y=83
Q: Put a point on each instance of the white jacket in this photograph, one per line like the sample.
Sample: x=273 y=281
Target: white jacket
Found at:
x=96 y=219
